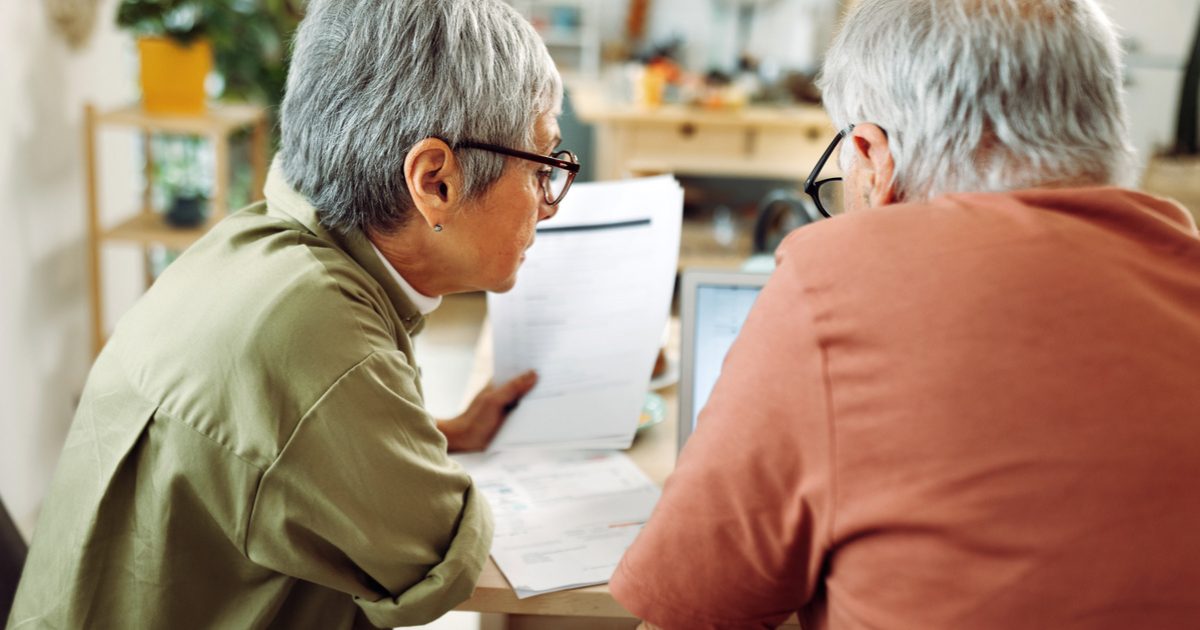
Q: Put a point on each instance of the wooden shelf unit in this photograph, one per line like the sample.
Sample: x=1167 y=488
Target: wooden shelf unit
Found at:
x=147 y=227
x=574 y=45
x=150 y=228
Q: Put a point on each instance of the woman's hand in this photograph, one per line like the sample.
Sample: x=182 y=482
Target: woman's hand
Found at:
x=474 y=429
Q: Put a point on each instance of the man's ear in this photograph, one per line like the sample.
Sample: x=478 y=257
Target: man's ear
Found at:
x=433 y=178
x=874 y=157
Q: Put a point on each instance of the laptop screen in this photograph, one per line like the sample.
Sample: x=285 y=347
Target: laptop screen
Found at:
x=713 y=307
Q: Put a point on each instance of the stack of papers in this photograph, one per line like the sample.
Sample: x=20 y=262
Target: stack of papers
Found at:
x=588 y=312
x=563 y=519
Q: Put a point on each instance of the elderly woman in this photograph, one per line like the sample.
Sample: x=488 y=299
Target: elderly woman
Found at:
x=252 y=449
x=970 y=400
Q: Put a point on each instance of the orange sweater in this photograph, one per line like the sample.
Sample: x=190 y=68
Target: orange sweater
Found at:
x=979 y=412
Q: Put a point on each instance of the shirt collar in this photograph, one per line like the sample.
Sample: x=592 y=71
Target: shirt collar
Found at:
x=283 y=197
x=423 y=302
x=285 y=200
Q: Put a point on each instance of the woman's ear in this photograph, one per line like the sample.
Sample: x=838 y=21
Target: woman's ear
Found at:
x=433 y=177
x=874 y=157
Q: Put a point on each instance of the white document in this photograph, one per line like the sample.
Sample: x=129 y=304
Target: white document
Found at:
x=563 y=518
x=588 y=311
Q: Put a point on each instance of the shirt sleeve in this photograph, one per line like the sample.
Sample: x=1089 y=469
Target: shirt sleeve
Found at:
x=739 y=536
x=364 y=500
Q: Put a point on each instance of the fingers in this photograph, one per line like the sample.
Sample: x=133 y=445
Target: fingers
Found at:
x=487 y=411
x=509 y=393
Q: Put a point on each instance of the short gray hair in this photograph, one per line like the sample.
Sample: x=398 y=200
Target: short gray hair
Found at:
x=983 y=95
x=371 y=78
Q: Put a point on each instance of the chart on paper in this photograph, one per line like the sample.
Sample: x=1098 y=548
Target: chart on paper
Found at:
x=563 y=518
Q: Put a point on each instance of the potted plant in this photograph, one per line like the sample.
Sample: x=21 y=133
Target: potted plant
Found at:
x=181 y=41
x=244 y=41
x=174 y=54
x=182 y=180
x=250 y=45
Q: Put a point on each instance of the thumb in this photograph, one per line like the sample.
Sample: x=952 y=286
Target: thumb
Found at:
x=516 y=388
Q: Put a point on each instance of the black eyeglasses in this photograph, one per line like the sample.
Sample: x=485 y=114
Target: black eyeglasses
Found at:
x=827 y=193
x=554 y=181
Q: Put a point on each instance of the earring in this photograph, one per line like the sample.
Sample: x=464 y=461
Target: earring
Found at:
x=437 y=228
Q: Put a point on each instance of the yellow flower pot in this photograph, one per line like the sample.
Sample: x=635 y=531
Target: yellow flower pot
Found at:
x=172 y=75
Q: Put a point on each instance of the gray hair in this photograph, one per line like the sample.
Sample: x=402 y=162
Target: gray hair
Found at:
x=983 y=95
x=371 y=78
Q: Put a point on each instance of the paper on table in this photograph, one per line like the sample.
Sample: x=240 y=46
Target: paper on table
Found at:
x=563 y=519
x=587 y=312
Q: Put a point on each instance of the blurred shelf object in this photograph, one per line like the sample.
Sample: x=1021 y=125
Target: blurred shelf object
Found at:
x=147 y=227
x=571 y=30
x=702 y=246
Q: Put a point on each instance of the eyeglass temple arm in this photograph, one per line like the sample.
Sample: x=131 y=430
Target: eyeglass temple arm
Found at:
x=810 y=184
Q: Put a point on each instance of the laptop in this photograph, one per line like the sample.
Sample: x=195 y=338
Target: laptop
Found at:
x=713 y=305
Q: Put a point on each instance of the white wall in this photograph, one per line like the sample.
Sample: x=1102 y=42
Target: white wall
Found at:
x=786 y=34
x=44 y=344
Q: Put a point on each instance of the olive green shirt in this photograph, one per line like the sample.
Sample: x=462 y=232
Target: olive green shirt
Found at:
x=251 y=450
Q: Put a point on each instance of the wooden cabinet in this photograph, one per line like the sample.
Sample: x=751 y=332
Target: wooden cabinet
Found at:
x=765 y=142
x=753 y=142
x=145 y=226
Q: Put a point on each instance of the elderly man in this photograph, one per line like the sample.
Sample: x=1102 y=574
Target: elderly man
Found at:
x=252 y=448
x=971 y=401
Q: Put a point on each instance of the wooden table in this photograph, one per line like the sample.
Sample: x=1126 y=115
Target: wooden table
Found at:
x=654 y=452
